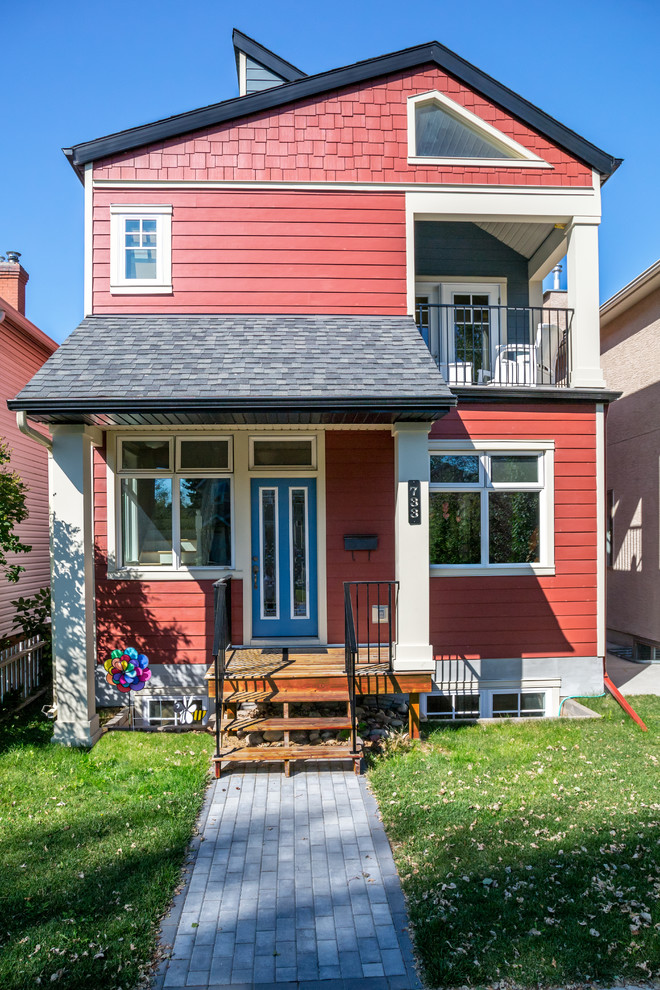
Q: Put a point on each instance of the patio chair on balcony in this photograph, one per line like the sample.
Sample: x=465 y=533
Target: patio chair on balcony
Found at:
x=531 y=364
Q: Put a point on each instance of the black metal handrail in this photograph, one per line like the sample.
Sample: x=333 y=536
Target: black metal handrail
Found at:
x=221 y=640
x=350 y=653
x=498 y=345
x=374 y=603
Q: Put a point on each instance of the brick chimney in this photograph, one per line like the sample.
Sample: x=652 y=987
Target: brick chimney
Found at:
x=13 y=279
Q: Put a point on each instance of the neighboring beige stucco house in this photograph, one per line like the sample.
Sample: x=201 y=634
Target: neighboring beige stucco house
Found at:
x=630 y=345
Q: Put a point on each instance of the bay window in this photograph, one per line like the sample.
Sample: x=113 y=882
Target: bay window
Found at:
x=175 y=502
x=490 y=508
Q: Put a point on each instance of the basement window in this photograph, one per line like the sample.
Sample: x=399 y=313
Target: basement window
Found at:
x=448 y=707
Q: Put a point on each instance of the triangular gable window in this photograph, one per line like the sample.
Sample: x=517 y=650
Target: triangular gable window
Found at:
x=443 y=131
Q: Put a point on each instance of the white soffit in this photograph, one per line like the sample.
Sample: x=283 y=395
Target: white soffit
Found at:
x=525 y=238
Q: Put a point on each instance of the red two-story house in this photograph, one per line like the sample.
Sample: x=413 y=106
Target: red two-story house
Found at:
x=316 y=352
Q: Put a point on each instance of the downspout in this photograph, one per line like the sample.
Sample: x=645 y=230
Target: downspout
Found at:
x=29 y=431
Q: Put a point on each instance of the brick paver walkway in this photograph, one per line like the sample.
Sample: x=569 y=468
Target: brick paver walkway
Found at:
x=292 y=885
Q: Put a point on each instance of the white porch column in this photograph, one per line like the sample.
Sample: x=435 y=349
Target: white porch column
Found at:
x=72 y=584
x=582 y=297
x=413 y=648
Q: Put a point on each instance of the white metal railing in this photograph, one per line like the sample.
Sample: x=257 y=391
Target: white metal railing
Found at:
x=21 y=667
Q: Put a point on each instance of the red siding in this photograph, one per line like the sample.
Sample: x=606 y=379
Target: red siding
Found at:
x=22 y=356
x=359 y=469
x=170 y=621
x=268 y=252
x=357 y=134
x=527 y=616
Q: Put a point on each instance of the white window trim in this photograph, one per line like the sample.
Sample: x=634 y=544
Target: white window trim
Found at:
x=545 y=449
x=282 y=437
x=486 y=688
x=160 y=285
x=524 y=158
x=176 y=570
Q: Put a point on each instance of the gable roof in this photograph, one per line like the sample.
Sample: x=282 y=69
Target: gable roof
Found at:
x=264 y=56
x=309 y=86
x=236 y=368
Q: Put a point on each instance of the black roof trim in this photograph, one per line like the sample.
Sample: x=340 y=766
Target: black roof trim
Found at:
x=285 y=70
x=488 y=393
x=433 y=52
x=181 y=404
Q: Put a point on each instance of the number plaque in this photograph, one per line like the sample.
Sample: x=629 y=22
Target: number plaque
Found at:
x=414 y=503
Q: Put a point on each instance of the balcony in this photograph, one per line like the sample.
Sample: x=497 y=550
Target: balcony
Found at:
x=498 y=346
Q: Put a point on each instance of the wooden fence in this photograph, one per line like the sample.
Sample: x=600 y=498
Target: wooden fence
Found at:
x=21 y=667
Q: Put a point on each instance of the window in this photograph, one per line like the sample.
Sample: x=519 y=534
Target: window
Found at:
x=281 y=452
x=170 y=711
x=442 y=131
x=490 y=510
x=449 y=707
x=175 y=502
x=645 y=652
x=518 y=704
x=140 y=249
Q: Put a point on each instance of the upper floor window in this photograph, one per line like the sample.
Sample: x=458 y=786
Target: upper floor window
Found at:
x=441 y=131
x=141 y=250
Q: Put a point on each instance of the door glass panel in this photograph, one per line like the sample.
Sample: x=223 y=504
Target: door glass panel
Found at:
x=269 y=580
x=472 y=329
x=299 y=552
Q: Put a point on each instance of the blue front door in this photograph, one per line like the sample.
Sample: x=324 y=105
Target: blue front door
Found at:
x=284 y=579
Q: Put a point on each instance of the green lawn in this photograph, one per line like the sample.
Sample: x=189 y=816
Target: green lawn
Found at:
x=91 y=846
x=530 y=851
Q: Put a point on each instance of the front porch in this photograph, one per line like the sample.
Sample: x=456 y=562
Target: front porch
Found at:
x=288 y=676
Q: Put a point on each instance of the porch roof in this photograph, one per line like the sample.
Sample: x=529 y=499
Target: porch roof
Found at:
x=150 y=369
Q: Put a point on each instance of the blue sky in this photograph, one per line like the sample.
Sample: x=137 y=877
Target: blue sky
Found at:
x=74 y=71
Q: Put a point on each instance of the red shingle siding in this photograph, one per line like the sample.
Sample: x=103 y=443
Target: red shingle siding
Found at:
x=527 y=616
x=357 y=134
x=268 y=252
x=170 y=621
x=21 y=357
x=359 y=466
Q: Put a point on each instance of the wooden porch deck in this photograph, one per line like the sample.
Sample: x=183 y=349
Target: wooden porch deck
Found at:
x=318 y=673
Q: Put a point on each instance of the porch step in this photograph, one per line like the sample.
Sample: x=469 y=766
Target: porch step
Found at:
x=261 y=724
x=280 y=695
x=286 y=754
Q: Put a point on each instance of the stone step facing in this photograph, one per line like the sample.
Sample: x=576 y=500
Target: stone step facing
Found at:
x=286 y=755
x=263 y=723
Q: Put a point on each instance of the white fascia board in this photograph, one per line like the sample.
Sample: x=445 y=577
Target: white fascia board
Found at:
x=332 y=186
x=88 y=240
x=520 y=156
x=510 y=204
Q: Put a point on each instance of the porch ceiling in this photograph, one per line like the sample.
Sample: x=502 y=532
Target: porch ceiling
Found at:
x=525 y=238
x=191 y=370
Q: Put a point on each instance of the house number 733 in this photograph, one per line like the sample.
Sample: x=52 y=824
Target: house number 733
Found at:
x=414 y=503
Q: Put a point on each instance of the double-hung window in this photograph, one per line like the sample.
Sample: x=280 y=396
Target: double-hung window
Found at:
x=175 y=502
x=490 y=508
x=141 y=249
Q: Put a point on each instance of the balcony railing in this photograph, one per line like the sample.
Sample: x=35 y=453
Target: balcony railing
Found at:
x=498 y=345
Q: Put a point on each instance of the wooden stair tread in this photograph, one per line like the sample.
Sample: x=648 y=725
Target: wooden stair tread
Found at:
x=281 y=697
x=288 y=753
x=312 y=722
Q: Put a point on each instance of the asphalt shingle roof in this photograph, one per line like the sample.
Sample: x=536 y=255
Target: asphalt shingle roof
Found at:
x=239 y=357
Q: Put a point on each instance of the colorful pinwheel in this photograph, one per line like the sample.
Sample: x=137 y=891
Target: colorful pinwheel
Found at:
x=127 y=670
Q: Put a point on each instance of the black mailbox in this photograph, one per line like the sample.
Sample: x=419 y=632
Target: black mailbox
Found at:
x=361 y=542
